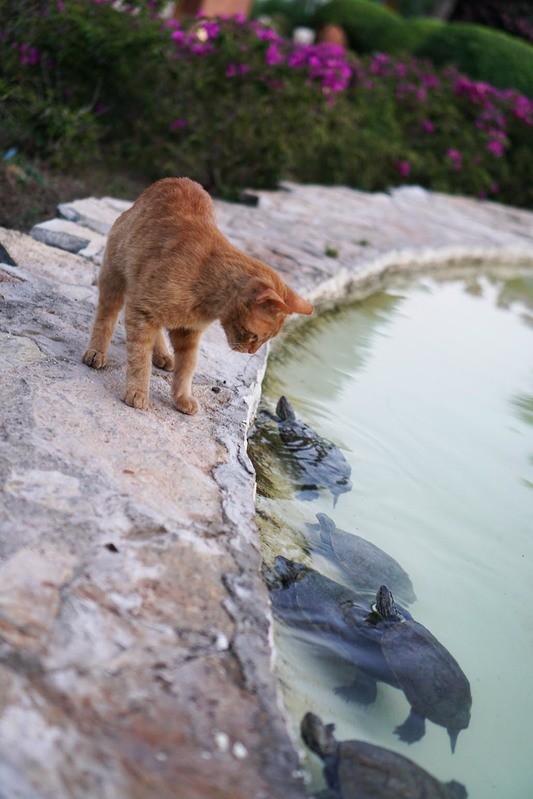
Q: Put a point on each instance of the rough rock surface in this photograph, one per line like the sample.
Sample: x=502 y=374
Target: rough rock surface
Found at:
x=134 y=628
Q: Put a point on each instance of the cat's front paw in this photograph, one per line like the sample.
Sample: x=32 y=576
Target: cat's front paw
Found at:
x=136 y=398
x=186 y=404
x=163 y=361
x=94 y=358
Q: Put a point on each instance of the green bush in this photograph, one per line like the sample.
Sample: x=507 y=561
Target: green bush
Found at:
x=237 y=108
x=479 y=52
x=409 y=35
x=483 y=54
x=355 y=142
x=234 y=105
x=78 y=73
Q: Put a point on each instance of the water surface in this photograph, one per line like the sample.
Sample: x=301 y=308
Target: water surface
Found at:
x=428 y=390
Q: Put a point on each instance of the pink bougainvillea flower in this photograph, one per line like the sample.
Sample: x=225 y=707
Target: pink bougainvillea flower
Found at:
x=29 y=56
x=273 y=55
x=456 y=159
x=403 y=168
x=496 y=147
x=233 y=70
x=211 y=28
x=428 y=126
x=264 y=33
x=178 y=124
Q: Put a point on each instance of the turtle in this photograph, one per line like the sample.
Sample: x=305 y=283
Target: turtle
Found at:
x=382 y=642
x=363 y=564
x=361 y=770
x=431 y=679
x=312 y=461
x=334 y=620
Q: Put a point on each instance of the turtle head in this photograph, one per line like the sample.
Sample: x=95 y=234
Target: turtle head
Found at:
x=284 y=410
x=456 y=790
x=287 y=571
x=385 y=605
x=327 y=525
x=318 y=736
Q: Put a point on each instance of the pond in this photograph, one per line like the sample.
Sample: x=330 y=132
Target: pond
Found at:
x=427 y=389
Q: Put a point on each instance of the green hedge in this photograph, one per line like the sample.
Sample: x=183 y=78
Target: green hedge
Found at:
x=483 y=54
x=479 y=52
x=409 y=35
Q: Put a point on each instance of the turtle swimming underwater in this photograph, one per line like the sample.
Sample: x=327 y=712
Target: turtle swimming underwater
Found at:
x=382 y=644
x=360 y=770
x=364 y=564
x=431 y=679
x=313 y=462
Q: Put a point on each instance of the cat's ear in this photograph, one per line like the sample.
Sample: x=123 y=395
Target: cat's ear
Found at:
x=263 y=294
x=297 y=304
x=259 y=293
x=271 y=296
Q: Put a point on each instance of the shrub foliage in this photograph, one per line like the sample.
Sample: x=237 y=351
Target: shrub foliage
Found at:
x=480 y=52
x=234 y=105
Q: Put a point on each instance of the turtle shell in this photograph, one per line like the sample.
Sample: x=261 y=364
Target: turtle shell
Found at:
x=363 y=563
x=360 y=770
x=332 y=617
x=366 y=771
x=431 y=679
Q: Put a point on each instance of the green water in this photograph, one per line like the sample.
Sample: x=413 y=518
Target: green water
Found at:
x=428 y=390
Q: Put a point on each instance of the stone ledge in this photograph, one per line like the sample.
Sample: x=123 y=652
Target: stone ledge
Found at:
x=134 y=628
x=71 y=237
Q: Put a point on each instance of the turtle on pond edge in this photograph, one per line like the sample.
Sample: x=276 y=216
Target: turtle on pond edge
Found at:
x=360 y=770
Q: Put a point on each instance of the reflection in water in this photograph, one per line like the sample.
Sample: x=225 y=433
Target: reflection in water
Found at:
x=428 y=391
x=523 y=407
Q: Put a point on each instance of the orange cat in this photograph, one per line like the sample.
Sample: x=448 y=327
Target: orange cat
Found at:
x=167 y=260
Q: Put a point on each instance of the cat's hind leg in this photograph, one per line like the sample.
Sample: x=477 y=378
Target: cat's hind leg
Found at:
x=111 y=291
x=161 y=355
x=140 y=340
x=185 y=344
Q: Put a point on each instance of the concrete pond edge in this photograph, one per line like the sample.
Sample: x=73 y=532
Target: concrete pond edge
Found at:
x=135 y=631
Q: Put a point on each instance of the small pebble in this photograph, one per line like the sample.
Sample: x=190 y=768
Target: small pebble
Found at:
x=221 y=642
x=239 y=750
x=222 y=741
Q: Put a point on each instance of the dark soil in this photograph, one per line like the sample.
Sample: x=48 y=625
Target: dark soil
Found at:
x=30 y=193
